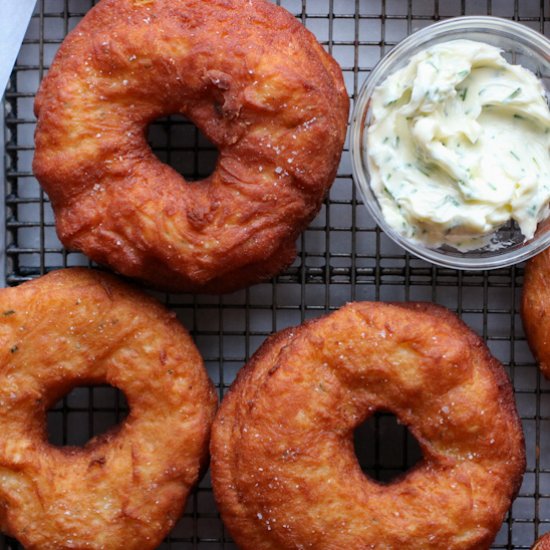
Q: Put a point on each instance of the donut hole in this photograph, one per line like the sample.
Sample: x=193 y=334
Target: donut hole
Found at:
x=176 y=141
x=85 y=412
x=385 y=449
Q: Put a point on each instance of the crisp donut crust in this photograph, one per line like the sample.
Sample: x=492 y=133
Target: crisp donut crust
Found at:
x=124 y=489
x=535 y=313
x=543 y=543
x=284 y=470
x=255 y=82
x=535 y=308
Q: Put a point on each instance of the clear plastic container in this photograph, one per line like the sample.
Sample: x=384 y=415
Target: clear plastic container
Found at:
x=521 y=45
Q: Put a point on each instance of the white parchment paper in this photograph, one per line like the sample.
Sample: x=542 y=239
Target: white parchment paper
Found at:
x=14 y=20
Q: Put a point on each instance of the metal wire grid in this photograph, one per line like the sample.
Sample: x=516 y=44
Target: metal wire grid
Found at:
x=343 y=257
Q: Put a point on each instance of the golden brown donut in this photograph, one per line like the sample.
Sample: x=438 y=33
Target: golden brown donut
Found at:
x=543 y=543
x=255 y=82
x=126 y=488
x=535 y=312
x=535 y=308
x=284 y=470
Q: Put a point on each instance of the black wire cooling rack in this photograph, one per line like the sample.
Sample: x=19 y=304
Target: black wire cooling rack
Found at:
x=343 y=257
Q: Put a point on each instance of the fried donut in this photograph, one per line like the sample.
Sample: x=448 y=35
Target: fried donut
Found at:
x=535 y=312
x=284 y=470
x=252 y=79
x=543 y=543
x=124 y=489
x=535 y=308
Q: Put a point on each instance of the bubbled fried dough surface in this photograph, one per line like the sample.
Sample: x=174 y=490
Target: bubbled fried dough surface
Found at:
x=124 y=489
x=536 y=320
x=255 y=82
x=536 y=308
x=284 y=470
x=543 y=543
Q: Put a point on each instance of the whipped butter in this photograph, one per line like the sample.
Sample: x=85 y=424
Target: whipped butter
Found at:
x=458 y=145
